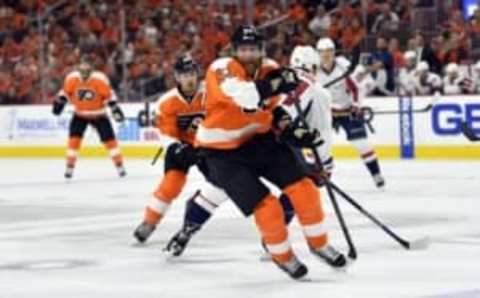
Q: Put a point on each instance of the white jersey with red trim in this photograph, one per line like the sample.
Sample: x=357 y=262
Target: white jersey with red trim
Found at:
x=315 y=101
x=344 y=92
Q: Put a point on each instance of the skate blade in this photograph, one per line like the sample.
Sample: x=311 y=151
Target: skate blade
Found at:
x=169 y=257
x=420 y=244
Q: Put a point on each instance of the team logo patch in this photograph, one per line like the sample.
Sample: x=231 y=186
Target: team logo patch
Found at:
x=85 y=94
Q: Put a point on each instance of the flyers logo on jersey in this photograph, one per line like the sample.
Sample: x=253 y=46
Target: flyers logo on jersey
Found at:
x=85 y=94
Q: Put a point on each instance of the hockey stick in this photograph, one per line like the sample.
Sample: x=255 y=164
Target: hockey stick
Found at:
x=352 y=252
x=369 y=112
x=421 y=243
x=157 y=156
x=468 y=133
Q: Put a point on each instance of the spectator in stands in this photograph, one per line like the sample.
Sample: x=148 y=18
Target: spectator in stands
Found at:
x=431 y=53
x=353 y=34
x=383 y=68
x=387 y=21
x=5 y=85
x=394 y=49
x=454 y=50
x=474 y=22
x=336 y=27
x=320 y=24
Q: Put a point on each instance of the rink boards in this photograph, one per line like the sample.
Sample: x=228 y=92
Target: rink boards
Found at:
x=404 y=132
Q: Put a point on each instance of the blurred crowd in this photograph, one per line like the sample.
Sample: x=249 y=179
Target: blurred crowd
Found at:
x=34 y=59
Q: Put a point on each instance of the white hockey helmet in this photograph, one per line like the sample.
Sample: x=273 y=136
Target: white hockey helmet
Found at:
x=452 y=68
x=423 y=66
x=304 y=57
x=410 y=55
x=325 y=43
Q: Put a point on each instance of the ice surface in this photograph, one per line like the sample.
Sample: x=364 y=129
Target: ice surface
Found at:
x=61 y=239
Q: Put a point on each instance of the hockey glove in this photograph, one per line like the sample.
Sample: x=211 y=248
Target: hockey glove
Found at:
x=357 y=113
x=184 y=154
x=277 y=81
x=281 y=118
x=59 y=105
x=301 y=137
x=116 y=111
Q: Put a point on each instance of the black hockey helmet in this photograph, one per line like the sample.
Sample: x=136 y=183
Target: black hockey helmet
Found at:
x=246 y=34
x=185 y=63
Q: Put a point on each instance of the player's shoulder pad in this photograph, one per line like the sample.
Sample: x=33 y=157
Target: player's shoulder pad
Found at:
x=342 y=62
x=100 y=76
x=220 y=63
x=267 y=62
x=72 y=75
x=166 y=96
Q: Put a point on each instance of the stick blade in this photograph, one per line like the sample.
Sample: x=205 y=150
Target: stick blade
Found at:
x=420 y=244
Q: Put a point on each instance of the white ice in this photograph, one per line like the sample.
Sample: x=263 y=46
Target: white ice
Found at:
x=66 y=240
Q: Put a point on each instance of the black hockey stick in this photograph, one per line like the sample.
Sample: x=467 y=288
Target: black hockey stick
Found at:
x=369 y=112
x=352 y=251
x=157 y=156
x=468 y=133
x=420 y=243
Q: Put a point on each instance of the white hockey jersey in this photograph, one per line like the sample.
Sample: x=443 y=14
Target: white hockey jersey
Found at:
x=459 y=85
x=476 y=82
x=428 y=85
x=315 y=101
x=365 y=83
x=406 y=79
x=344 y=92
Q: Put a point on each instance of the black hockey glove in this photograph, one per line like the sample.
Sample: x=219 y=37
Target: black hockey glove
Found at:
x=184 y=154
x=301 y=137
x=117 y=112
x=278 y=81
x=59 y=105
x=281 y=118
x=189 y=121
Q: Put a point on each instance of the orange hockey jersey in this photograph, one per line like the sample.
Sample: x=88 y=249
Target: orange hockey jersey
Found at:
x=173 y=105
x=88 y=97
x=232 y=100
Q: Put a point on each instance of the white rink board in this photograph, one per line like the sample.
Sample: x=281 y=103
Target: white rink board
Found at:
x=437 y=130
x=35 y=124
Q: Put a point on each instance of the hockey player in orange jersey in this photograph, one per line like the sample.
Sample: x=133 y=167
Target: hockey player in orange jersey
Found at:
x=90 y=93
x=238 y=143
x=179 y=112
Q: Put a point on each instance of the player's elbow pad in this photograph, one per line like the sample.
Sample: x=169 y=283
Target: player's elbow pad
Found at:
x=59 y=105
